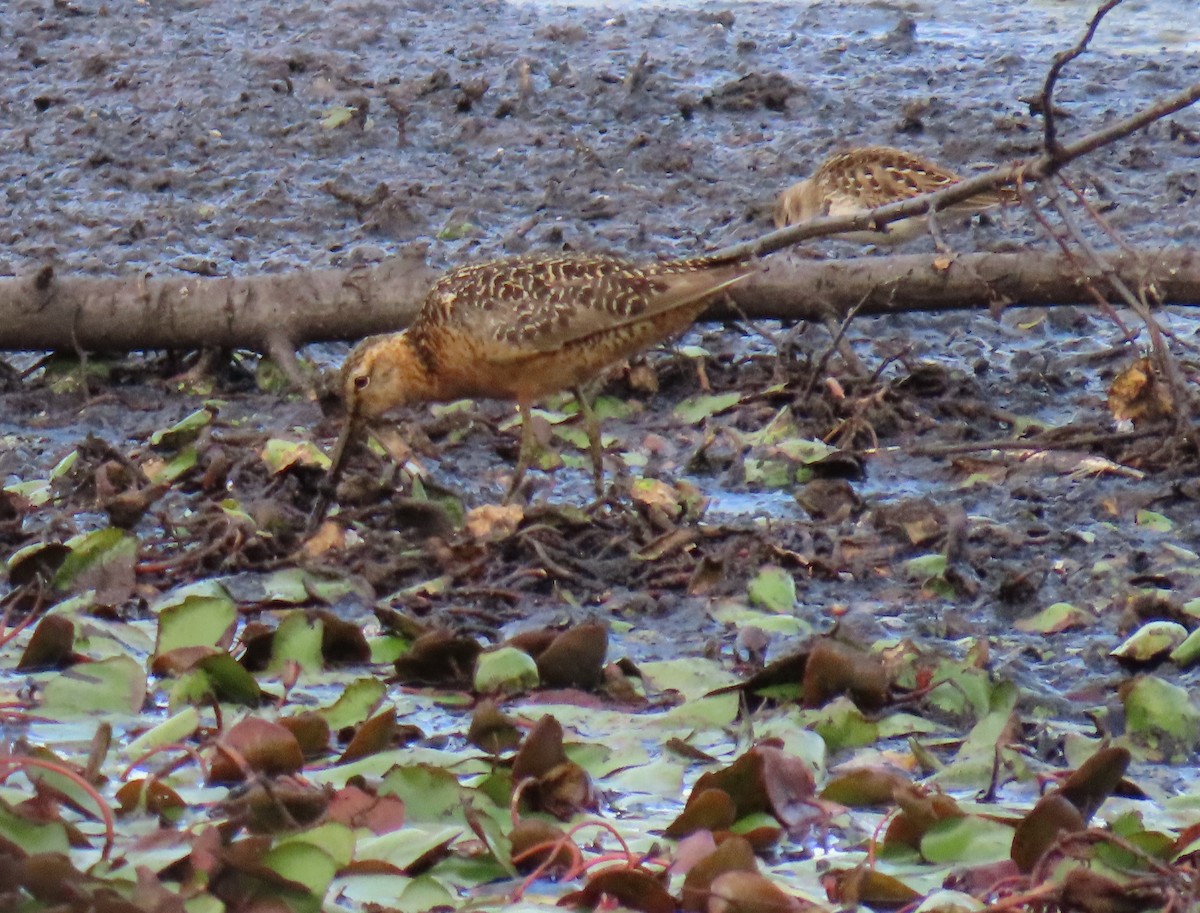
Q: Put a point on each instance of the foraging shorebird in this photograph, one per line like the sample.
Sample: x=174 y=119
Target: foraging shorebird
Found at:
x=522 y=328
x=869 y=176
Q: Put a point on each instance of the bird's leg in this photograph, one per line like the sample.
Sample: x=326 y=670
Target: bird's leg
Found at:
x=591 y=425
x=524 y=453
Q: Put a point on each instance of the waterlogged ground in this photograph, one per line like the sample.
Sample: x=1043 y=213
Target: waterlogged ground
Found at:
x=764 y=492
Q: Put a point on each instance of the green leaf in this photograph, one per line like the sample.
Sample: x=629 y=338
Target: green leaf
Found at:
x=1155 y=708
x=174 y=729
x=767 y=473
x=1154 y=521
x=303 y=864
x=161 y=472
x=114 y=685
x=773 y=589
x=31 y=836
x=925 y=567
x=1188 y=652
x=969 y=840
x=229 y=681
x=357 y=702
x=505 y=669
x=430 y=794
x=298 y=639
x=696 y=409
x=1151 y=641
x=195 y=621
x=280 y=454
x=1054 y=618
x=184 y=431
x=94 y=552
x=841 y=725
x=336 y=116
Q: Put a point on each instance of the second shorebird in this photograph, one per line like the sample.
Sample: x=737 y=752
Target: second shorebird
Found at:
x=869 y=176
x=522 y=328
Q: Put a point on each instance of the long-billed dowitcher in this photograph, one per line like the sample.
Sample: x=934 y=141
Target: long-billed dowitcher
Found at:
x=522 y=328
x=869 y=176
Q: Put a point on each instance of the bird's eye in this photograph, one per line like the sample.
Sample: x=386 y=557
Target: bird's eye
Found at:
x=361 y=382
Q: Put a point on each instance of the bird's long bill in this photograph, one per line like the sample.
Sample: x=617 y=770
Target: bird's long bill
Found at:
x=341 y=451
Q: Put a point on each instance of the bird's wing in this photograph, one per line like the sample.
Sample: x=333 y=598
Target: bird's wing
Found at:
x=544 y=304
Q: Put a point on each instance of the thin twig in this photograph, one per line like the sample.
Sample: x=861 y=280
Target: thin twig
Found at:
x=1050 y=141
x=1102 y=302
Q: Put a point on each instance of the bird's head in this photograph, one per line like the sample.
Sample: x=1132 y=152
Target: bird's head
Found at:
x=799 y=203
x=379 y=374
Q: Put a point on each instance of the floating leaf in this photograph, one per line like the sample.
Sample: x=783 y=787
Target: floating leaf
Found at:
x=774 y=589
x=194 y=621
x=114 y=685
x=99 y=560
x=1155 y=708
x=505 y=669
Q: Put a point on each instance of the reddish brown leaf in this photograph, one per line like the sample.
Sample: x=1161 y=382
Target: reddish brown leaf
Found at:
x=710 y=810
x=439 y=658
x=377 y=734
x=733 y=855
x=1084 y=891
x=150 y=794
x=533 y=840
x=341 y=641
x=864 y=786
x=1095 y=780
x=175 y=662
x=919 y=812
x=565 y=790
x=633 y=888
x=355 y=806
x=1040 y=829
x=541 y=750
x=286 y=804
x=765 y=779
x=491 y=730
x=749 y=892
x=575 y=658
x=862 y=885
x=266 y=747
x=311 y=732
x=50 y=646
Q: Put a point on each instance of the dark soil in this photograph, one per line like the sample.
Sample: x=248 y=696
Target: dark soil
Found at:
x=181 y=137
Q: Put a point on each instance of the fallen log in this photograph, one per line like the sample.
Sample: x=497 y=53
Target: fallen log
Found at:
x=270 y=312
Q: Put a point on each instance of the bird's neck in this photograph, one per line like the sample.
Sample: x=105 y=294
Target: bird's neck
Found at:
x=408 y=376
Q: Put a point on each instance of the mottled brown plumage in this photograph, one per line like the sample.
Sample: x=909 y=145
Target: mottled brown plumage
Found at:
x=870 y=176
x=524 y=327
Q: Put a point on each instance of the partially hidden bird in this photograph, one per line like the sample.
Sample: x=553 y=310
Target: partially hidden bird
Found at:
x=869 y=176
x=521 y=328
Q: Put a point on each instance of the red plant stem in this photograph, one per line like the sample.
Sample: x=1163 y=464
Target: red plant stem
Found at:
x=10 y=763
